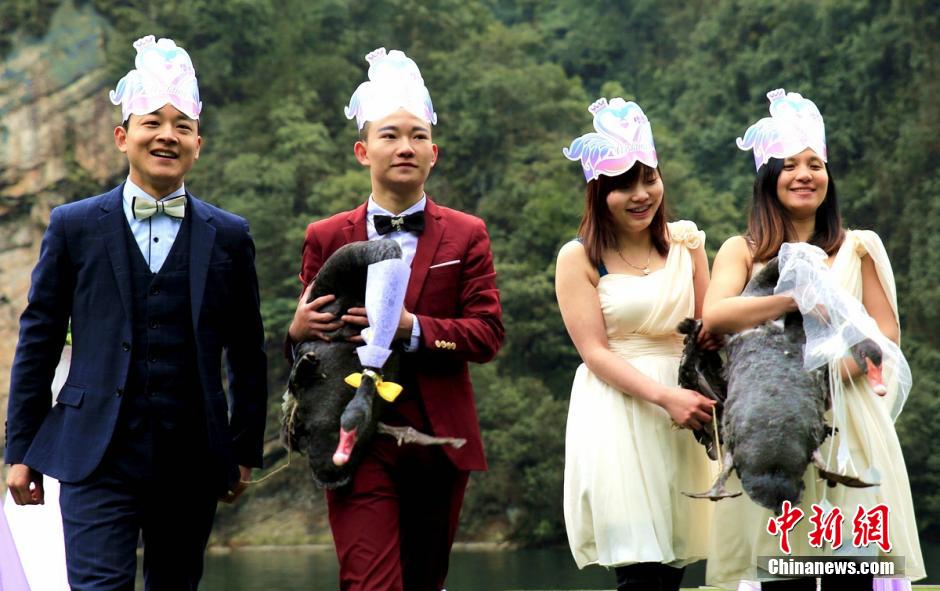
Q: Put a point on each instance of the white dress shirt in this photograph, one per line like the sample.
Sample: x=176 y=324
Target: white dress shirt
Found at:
x=408 y=241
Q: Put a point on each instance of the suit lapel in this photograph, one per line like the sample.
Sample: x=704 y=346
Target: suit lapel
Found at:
x=201 y=240
x=112 y=224
x=355 y=228
x=434 y=227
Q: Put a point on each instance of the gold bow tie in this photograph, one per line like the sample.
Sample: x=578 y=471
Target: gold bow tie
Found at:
x=145 y=208
x=389 y=391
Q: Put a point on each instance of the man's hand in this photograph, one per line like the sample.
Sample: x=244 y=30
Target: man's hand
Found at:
x=357 y=317
x=244 y=478
x=19 y=478
x=309 y=323
x=405 y=323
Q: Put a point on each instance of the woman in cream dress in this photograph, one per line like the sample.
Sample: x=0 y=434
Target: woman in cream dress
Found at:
x=36 y=530
x=795 y=201
x=622 y=288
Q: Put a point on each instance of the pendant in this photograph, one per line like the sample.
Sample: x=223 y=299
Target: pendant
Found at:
x=646 y=270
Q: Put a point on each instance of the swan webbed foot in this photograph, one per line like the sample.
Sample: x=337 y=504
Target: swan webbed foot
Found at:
x=718 y=490
x=833 y=478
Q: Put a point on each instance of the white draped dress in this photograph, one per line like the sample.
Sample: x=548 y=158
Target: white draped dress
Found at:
x=37 y=529
x=626 y=464
x=739 y=534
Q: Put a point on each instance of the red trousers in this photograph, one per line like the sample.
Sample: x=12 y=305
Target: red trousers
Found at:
x=394 y=524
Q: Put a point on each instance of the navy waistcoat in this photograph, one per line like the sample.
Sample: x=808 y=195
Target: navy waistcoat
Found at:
x=162 y=386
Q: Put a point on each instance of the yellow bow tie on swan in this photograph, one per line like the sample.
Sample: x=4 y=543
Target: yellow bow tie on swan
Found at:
x=389 y=391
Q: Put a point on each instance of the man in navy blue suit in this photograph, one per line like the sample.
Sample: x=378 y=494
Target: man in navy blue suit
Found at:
x=155 y=284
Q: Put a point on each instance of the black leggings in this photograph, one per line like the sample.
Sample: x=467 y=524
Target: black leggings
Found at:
x=829 y=583
x=648 y=576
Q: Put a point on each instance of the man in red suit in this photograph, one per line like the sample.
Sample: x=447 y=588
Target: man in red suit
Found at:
x=394 y=524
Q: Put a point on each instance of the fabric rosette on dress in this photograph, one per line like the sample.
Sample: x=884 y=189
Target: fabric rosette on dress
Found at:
x=687 y=234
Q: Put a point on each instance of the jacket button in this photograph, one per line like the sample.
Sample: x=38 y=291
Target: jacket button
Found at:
x=125 y=346
x=119 y=392
x=154 y=291
x=154 y=324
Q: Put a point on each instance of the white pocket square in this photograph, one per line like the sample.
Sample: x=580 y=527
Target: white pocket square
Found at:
x=453 y=262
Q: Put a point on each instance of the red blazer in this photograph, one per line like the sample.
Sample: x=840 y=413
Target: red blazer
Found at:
x=456 y=304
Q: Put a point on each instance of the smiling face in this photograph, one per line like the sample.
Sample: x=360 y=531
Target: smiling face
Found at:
x=802 y=184
x=398 y=152
x=633 y=208
x=161 y=147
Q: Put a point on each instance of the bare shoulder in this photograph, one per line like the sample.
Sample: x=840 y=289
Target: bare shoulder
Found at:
x=573 y=254
x=735 y=246
x=573 y=262
x=732 y=265
x=735 y=251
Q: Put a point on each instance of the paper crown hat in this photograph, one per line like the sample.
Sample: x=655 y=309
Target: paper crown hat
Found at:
x=623 y=137
x=164 y=74
x=394 y=83
x=794 y=125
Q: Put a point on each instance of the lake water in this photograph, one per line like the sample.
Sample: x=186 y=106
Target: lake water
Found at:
x=304 y=569
x=316 y=570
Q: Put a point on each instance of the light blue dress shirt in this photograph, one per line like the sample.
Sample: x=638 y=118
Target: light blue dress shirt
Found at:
x=156 y=234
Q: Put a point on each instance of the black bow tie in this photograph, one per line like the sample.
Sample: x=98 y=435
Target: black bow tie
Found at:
x=413 y=222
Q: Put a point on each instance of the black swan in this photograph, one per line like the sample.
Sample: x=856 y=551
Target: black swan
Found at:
x=331 y=420
x=773 y=409
x=702 y=370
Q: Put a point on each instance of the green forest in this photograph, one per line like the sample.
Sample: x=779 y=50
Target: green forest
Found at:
x=511 y=81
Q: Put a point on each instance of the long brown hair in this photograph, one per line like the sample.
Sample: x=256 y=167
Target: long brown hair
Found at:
x=598 y=232
x=769 y=226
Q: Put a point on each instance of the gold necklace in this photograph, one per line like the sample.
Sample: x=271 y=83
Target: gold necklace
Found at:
x=646 y=267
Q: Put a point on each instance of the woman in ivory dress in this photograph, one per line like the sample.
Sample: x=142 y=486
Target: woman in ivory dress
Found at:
x=36 y=530
x=622 y=288
x=795 y=201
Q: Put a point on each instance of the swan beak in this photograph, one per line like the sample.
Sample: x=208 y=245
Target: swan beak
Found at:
x=875 y=378
x=347 y=440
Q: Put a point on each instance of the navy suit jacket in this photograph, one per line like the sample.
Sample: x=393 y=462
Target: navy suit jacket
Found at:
x=83 y=275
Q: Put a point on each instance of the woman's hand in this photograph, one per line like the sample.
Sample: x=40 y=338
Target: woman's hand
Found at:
x=710 y=341
x=687 y=408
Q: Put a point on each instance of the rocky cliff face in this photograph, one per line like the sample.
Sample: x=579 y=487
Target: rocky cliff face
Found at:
x=56 y=127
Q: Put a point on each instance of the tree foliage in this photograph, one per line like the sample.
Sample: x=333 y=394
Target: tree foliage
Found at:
x=511 y=80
